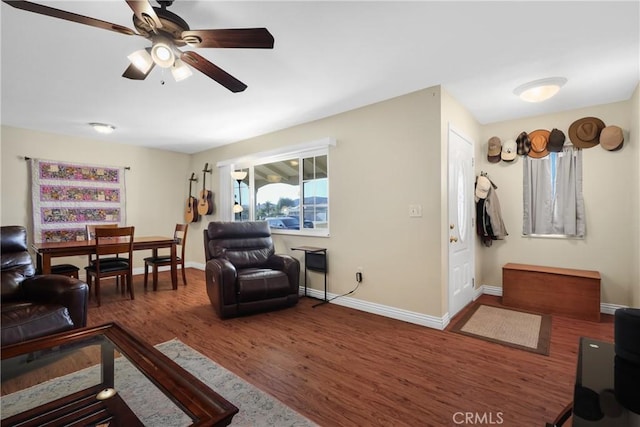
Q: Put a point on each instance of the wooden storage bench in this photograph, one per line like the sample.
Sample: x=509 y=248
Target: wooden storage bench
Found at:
x=552 y=290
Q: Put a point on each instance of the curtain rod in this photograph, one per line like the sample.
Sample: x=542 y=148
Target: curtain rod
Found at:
x=126 y=167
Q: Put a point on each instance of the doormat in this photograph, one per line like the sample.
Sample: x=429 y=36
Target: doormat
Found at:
x=513 y=328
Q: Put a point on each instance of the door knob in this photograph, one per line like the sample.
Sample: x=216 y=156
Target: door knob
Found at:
x=453 y=239
x=451 y=226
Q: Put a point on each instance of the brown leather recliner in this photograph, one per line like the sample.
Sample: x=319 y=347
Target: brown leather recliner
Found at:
x=35 y=306
x=244 y=275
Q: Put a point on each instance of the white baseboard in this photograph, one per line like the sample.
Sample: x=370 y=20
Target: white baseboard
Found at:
x=369 y=307
x=491 y=290
x=419 y=318
x=607 y=308
x=196 y=265
x=382 y=310
x=397 y=313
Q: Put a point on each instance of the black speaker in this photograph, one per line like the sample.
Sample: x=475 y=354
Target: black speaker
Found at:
x=626 y=382
x=627 y=334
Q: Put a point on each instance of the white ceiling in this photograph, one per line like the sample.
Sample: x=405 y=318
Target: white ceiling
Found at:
x=329 y=57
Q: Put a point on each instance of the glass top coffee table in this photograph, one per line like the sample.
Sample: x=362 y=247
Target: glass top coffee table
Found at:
x=102 y=376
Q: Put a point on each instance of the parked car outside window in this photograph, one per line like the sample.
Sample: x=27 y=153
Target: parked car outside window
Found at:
x=287 y=223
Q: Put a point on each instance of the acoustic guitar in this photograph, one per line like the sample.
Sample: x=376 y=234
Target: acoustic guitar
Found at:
x=191 y=212
x=205 y=203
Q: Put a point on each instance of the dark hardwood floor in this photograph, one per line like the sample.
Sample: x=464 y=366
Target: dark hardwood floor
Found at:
x=343 y=367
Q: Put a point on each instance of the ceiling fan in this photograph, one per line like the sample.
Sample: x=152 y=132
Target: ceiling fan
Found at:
x=167 y=32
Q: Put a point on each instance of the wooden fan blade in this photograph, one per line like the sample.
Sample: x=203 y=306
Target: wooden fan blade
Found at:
x=213 y=71
x=132 y=72
x=144 y=11
x=255 y=38
x=69 y=16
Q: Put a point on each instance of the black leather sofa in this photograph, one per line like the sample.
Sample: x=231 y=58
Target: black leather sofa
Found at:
x=35 y=305
x=243 y=273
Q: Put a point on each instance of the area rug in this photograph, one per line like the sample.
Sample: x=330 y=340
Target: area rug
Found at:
x=514 y=328
x=256 y=408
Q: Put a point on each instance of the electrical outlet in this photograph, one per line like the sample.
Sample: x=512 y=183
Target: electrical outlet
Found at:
x=359 y=275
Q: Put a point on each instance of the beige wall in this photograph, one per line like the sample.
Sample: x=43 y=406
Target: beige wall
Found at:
x=387 y=157
x=610 y=245
x=156 y=183
x=633 y=145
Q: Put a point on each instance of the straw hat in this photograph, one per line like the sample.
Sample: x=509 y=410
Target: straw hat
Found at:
x=539 y=140
x=585 y=132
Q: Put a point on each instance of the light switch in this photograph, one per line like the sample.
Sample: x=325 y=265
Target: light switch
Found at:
x=415 y=211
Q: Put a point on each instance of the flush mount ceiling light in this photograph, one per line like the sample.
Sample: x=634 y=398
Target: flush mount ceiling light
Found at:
x=540 y=90
x=102 y=127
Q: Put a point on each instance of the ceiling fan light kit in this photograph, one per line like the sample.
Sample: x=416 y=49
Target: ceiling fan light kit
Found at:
x=540 y=90
x=142 y=60
x=162 y=52
x=167 y=31
x=180 y=71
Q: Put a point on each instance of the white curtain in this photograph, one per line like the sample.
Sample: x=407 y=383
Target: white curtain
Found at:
x=552 y=199
x=225 y=200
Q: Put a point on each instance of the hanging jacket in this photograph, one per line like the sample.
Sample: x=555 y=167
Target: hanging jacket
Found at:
x=492 y=209
x=482 y=221
x=489 y=223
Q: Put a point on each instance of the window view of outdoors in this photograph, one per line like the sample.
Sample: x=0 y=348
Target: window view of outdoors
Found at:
x=278 y=193
x=315 y=190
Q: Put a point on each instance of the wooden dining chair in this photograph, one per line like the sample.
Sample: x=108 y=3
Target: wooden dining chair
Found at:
x=109 y=242
x=91 y=235
x=180 y=235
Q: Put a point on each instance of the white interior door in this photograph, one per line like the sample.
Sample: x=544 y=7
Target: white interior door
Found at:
x=461 y=228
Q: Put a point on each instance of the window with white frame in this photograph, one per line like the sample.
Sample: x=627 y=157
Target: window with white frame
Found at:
x=290 y=191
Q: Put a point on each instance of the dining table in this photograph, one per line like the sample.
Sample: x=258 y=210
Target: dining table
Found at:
x=45 y=251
